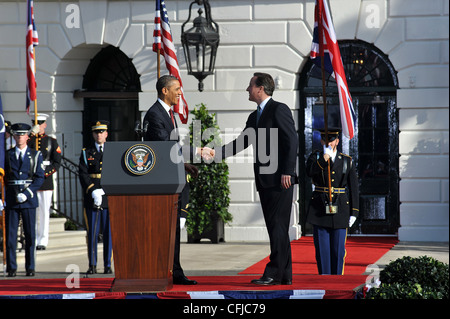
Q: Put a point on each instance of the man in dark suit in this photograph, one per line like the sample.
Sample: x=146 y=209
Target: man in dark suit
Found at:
x=24 y=175
x=162 y=127
x=95 y=200
x=271 y=130
x=330 y=226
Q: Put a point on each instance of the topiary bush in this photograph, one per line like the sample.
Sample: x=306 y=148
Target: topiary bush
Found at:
x=209 y=191
x=413 y=278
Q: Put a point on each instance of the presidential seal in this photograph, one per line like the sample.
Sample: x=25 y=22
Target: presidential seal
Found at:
x=139 y=159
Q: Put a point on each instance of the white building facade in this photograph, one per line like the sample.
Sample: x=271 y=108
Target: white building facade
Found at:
x=255 y=35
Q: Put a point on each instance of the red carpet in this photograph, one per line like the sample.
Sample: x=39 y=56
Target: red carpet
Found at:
x=361 y=252
x=335 y=286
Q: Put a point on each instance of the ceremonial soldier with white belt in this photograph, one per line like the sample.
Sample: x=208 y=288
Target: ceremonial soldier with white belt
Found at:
x=331 y=219
x=51 y=154
x=95 y=200
x=24 y=175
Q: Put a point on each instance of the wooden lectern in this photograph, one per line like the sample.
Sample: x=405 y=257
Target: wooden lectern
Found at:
x=142 y=181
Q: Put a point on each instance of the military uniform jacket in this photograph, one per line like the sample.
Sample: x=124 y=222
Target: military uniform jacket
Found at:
x=51 y=153
x=343 y=176
x=90 y=170
x=26 y=178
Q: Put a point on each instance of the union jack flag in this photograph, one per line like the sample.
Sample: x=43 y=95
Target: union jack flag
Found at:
x=31 y=41
x=162 y=41
x=328 y=48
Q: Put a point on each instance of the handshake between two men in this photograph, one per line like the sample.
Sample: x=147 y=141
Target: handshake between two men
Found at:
x=208 y=155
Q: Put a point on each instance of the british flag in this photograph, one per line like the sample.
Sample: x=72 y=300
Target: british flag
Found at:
x=329 y=49
x=31 y=41
x=162 y=41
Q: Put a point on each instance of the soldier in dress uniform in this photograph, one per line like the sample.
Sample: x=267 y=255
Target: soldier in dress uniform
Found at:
x=24 y=175
x=95 y=200
x=51 y=153
x=330 y=227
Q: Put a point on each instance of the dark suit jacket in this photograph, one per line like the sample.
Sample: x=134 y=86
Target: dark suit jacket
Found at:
x=31 y=169
x=274 y=141
x=160 y=126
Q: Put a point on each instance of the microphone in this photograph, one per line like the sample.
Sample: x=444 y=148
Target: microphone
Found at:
x=137 y=127
x=145 y=127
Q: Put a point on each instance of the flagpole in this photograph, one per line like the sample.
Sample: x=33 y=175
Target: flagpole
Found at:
x=324 y=94
x=3 y=224
x=35 y=104
x=158 y=63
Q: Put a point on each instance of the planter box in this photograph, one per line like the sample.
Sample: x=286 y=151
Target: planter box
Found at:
x=216 y=234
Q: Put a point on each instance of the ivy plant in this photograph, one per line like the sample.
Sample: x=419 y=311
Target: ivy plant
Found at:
x=209 y=191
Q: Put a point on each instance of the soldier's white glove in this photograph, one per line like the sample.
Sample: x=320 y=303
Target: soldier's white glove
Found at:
x=35 y=130
x=182 y=222
x=1 y=205
x=351 y=221
x=21 y=198
x=97 y=196
x=328 y=150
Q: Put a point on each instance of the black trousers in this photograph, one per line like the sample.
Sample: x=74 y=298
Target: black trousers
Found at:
x=276 y=205
x=183 y=200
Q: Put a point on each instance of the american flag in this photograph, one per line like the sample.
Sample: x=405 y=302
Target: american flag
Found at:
x=162 y=41
x=31 y=41
x=323 y=26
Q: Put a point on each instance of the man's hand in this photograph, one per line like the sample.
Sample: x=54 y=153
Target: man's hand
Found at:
x=191 y=169
x=327 y=152
x=97 y=196
x=285 y=181
x=21 y=198
x=351 y=221
x=207 y=154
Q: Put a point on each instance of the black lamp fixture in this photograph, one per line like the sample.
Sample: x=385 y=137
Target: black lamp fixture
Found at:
x=200 y=43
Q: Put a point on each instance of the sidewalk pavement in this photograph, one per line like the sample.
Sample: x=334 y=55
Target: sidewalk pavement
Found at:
x=223 y=259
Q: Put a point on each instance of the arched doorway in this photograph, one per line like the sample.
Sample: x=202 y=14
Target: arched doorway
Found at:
x=110 y=91
x=372 y=83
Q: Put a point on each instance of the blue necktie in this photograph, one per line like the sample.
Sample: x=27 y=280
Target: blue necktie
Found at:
x=258 y=114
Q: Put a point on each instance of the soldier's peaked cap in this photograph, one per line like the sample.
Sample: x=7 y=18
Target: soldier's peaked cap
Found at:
x=20 y=129
x=333 y=133
x=100 y=125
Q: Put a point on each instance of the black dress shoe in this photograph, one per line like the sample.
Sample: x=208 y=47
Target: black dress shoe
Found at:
x=91 y=270
x=107 y=270
x=286 y=282
x=265 y=281
x=40 y=247
x=183 y=280
x=30 y=273
x=12 y=273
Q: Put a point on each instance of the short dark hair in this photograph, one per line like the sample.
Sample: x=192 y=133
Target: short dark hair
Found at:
x=163 y=82
x=265 y=80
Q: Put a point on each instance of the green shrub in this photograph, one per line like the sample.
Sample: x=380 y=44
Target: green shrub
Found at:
x=209 y=192
x=413 y=278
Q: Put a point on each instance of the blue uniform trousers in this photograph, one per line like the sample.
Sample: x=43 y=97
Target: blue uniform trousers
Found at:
x=98 y=220
x=29 y=228
x=330 y=250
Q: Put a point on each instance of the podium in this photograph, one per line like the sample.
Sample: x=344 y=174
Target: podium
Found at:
x=142 y=181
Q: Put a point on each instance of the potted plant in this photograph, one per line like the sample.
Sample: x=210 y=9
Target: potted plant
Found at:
x=209 y=191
